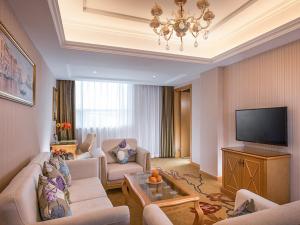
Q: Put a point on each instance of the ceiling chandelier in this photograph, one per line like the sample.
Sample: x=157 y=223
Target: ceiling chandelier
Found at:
x=182 y=23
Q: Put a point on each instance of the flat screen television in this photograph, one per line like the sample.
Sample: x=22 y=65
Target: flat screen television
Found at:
x=264 y=125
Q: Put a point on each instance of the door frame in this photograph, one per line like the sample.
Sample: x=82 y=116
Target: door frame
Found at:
x=177 y=119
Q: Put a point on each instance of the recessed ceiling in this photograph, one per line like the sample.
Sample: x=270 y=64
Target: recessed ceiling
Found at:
x=111 y=39
x=124 y=24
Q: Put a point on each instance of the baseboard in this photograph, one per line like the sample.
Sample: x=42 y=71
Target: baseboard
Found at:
x=195 y=164
x=212 y=176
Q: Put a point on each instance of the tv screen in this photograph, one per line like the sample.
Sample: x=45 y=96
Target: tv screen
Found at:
x=265 y=126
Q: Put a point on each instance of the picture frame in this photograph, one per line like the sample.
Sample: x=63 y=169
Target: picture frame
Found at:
x=54 y=104
x=17 y=71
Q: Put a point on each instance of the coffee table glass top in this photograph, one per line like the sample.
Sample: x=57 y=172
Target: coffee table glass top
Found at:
x=156 y=192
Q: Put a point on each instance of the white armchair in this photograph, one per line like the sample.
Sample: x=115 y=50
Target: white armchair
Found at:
x=112 y=172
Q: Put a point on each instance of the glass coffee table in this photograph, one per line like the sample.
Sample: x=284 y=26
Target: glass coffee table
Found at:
x=166 y=194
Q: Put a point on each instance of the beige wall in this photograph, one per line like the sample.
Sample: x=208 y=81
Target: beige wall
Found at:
x=207 y=111
x=24 y=131
x=268 y=80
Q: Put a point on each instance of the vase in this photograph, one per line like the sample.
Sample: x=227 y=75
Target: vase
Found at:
x=63 y=135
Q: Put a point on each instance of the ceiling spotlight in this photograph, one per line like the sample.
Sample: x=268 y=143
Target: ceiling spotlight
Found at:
x=94 y=72
x=154 y=76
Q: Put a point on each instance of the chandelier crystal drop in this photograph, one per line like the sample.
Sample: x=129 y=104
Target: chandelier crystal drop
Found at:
x=182 y=23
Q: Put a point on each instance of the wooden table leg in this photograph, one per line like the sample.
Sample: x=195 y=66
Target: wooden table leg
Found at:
x=199 y=215
x=125 y=191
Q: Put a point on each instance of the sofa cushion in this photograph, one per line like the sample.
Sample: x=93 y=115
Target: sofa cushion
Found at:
x=86 y=189
x=88 y=205
x=116 y=171
x=62 y=167
x=109 y=145
x=52 y=200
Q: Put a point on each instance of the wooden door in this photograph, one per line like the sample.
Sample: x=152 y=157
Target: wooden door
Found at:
x=232 y=180
x=252 y=174
x=185 y=123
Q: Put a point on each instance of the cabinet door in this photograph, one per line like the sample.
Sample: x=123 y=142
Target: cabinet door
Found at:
x=252 y=174
x=232 y=180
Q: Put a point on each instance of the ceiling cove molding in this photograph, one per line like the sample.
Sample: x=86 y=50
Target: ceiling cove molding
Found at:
x=233 y=14
x=113 y=14
x=273 y=34
x=54 y=8
x=133 y=52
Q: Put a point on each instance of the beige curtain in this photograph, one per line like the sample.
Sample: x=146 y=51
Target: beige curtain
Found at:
x=66 y=106
x=167 y=149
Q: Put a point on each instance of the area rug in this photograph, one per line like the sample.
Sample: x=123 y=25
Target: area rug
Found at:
x=214 y=204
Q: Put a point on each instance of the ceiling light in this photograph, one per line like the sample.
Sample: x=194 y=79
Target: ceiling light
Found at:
x=94 y=72
x=154 y=76
x=182 y=22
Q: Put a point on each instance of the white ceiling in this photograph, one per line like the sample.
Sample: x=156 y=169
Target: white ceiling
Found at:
x=97 y=44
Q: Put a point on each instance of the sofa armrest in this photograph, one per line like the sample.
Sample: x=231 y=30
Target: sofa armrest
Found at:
x=113 y=216
x=103 y=163
x=153 y=215
x=83 y=168
x=259 y=202
x=278 y=215
x=143 y=158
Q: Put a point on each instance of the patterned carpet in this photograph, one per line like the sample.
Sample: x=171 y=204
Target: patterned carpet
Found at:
x=214 y=204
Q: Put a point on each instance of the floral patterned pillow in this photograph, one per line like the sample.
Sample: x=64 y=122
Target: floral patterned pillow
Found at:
x=56 y=178
x=62 y=167
x=124 y=153
x=246 y=208
x=52 y=202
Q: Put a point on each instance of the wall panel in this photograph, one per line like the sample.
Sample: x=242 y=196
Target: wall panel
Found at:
x=24 y=131
x=267 y=80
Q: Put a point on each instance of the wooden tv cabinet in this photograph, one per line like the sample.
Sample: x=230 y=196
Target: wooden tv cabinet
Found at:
x=264 y=172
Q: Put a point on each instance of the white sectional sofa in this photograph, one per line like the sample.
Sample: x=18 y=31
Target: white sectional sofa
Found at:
x=267 y=213
x=89 y=202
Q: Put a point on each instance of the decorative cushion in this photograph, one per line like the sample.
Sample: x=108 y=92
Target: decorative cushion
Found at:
x=52 y=200
x=108 y=145
x=124 y=153
x=246 y=208
x=62 y=167
x=56 y=178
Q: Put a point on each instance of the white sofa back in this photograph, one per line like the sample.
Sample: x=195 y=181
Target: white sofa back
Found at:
x=18 y=202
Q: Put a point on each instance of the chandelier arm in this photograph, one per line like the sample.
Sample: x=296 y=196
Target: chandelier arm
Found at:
x=201 y=15
x=155 y=31
x=190 y=19
x=207 y=25
x=168 y=38
x=195 y=34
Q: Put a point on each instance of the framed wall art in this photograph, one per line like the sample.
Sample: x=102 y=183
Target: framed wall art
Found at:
x=17 y=71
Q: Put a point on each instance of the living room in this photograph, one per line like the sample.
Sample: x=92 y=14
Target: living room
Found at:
x=155 y=128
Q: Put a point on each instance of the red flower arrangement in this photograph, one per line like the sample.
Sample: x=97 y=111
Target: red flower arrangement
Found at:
x=62 y=128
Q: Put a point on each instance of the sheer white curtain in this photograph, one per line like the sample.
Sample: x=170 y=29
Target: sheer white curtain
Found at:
x=119 y=110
